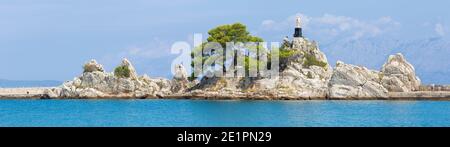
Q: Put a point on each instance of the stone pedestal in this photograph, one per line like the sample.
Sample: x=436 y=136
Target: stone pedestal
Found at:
x=298 y=32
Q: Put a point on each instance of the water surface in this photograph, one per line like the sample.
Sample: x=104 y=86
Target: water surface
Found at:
x=223 y=113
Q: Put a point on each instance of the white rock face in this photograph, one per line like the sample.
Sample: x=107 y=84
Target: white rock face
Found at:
x=180 y=72
x=399 y=75
x=296 y=79
x=180 y=79
x=99 y=84
x=133 y=74
x=52 y=93
x=304 y=82
x=311 y=47
x=299 y=43
x=90 y=93
x=349 y=81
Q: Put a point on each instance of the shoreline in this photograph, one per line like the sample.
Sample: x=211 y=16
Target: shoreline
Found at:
x=39 y=93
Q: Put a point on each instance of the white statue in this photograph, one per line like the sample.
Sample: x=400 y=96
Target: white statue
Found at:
x=298 y=23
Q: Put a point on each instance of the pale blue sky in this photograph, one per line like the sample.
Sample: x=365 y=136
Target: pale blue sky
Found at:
x=51 y=39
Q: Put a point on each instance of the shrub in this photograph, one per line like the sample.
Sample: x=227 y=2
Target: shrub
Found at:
x=122 y=72
x=311 y=60
x=284 y=54
x=92 y=66
x=247 y=65
x=309 y=75
x=86 y=69
x=192 y=77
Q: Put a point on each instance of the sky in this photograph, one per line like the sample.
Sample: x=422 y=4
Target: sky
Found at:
x=52 y=39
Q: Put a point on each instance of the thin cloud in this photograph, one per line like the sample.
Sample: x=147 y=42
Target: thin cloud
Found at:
x=334 y=26
x=440 y=29
x=156 y=48
x=146 y=58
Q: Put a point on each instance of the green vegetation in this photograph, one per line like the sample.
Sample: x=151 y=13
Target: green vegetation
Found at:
x=91 y=68
x=192 y=77
x=284 y=54
x=247 y=66
x=380 y=76
x=223 y=34
x=236 y=32
x=122 y=72
x=311 y=60
x=85 y=69
x=309 y=75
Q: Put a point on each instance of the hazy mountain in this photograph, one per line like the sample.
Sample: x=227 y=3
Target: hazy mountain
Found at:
x=430 y=57
x=27 y=83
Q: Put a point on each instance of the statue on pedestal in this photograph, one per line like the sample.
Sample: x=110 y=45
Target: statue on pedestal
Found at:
x=298 y=27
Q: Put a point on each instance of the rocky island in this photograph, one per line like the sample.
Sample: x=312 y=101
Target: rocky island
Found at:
x=304 y=74
x=297 y=81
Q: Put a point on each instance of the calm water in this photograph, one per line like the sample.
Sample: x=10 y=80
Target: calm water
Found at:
x=222 y=113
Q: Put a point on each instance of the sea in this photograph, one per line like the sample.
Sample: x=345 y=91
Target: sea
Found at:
x=222 y=113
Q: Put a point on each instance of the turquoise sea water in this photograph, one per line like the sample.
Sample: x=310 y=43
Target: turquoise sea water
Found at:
x=222 y=113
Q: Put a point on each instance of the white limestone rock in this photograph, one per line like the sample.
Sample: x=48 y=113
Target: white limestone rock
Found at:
x=298 y=79
x=180 y=80
x=126 y=63
x=295 y=80
x=96 y=84
x=52 y=92
x=399 y=75
x=350 y=81
x=180 y=73
x=90 y=93
x=164 y=85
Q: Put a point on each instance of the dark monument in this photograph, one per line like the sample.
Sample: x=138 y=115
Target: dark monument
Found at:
x=298 y=28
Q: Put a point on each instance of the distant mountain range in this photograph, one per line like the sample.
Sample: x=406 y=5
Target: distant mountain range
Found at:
x=430 y=57
x=26 y=83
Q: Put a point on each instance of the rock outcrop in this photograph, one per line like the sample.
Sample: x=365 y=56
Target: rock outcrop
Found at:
x=349 y=81
x=304 y=74
x=216 y=85
x=307 y=72
x=127 y=64
x=180 y=80
x=99 y=84
x=92 y=66
x=399 y=75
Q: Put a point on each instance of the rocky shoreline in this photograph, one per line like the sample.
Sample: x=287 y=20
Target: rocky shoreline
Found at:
x=23 y=93
x=19 y=93
x=304 y=75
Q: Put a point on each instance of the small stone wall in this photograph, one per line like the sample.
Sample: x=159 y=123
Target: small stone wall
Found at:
x=433 y=87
